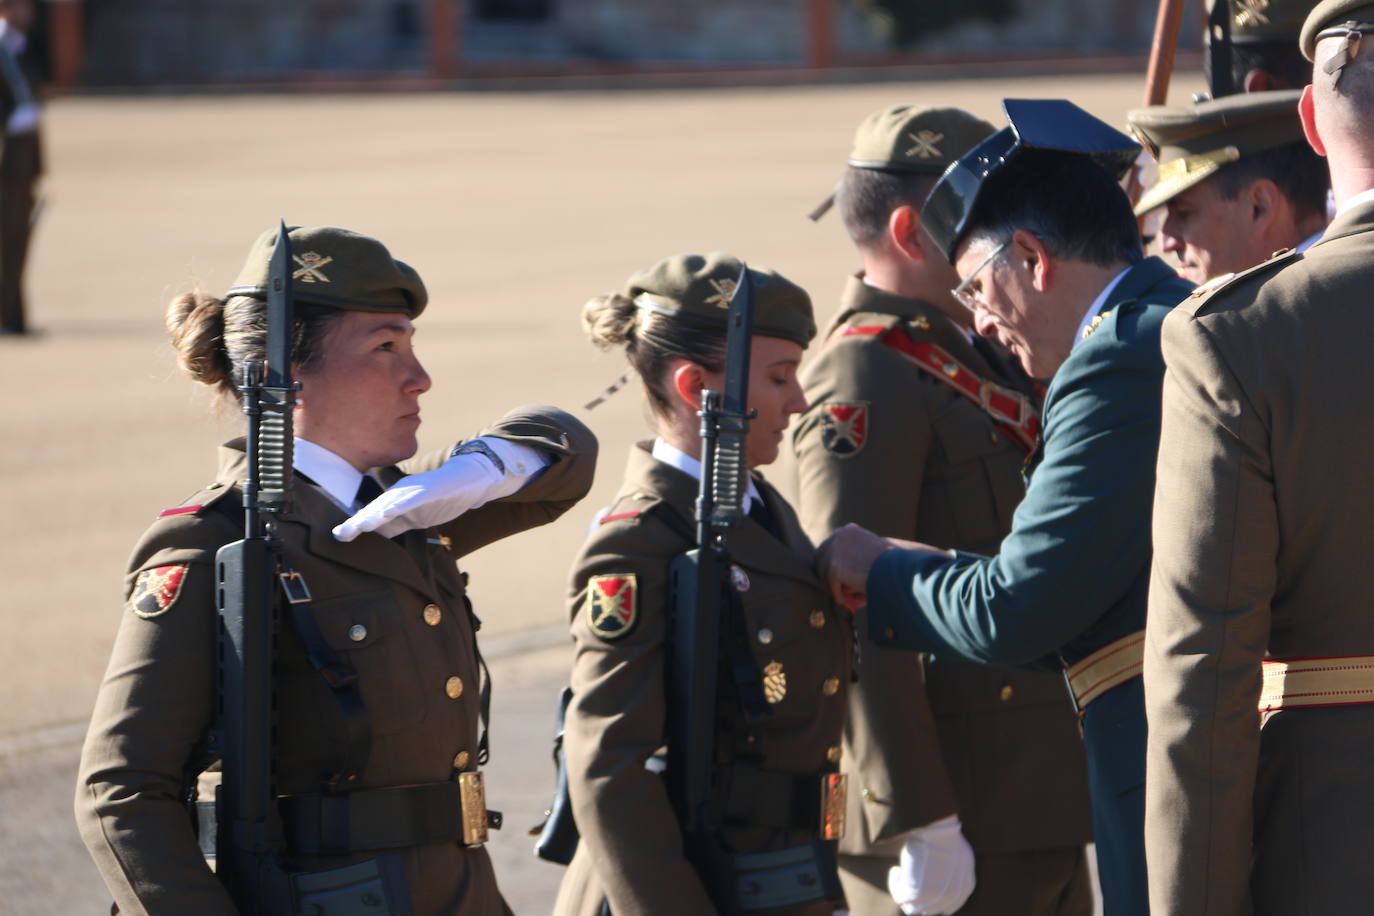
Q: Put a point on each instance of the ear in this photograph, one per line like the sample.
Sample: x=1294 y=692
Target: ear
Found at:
x=1257 y=80
x=1029 y=251
x=1263 y=196
x=688 y=380
x=1307 y=114
x=904 y=231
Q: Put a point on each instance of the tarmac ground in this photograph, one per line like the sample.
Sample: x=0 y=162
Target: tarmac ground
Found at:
x=514 y=207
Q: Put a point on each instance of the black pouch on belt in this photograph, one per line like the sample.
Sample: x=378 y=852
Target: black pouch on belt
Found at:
x=376 y=887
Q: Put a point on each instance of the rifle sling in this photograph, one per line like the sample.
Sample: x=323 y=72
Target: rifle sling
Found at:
x=342 y=680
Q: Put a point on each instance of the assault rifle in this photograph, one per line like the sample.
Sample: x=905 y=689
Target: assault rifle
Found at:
x=698 y=580
x=248 y=840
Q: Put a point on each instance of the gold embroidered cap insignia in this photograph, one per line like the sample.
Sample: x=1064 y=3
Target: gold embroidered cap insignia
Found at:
x=925 y=147
x=310 y=263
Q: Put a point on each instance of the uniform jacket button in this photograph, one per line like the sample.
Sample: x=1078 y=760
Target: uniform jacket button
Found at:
x=831 y=686
x=765 y=636
x=1006 y=693
x=817 y=619
x=454 y=687
x=460 y=760
x=834 y=753
x=357 y=632
x=889 y=633
x=433 y=615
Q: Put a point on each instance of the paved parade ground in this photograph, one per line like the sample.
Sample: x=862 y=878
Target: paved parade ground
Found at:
x=514 y=207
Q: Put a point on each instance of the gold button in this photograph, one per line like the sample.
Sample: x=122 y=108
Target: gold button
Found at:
x=454 y=687
x=750 y=739
x=433 y=615
x=831 y=686
x=357 y=632
x=817 y=619
x=869 y=796
x=834 y=753
x=765 y=636
x=460 y=760
x=1006 y=693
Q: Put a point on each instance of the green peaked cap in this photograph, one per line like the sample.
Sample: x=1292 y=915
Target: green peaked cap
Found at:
x=1329 y=14
x=697 y=289
x=1193 y=143
x=336 y=268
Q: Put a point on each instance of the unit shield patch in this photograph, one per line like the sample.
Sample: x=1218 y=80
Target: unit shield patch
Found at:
x=157 y=589
x=844 y=427
x=612 y=605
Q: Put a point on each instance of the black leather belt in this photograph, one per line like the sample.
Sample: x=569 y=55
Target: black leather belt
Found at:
x=769 y=798
x=371 y=819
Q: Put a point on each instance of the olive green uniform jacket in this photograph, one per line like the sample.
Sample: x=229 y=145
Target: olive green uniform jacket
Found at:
x=1002 y=745
x=1263 y=523
x=631 y=848
x=157 y=698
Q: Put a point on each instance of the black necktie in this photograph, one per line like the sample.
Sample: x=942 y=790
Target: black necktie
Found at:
x=368 y=490
x=761 y=514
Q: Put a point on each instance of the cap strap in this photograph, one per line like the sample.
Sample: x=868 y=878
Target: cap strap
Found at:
x=1352 y=31
x=1178 y=168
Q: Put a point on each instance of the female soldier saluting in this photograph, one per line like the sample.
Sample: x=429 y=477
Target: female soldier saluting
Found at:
x=671 y=322
x=393 y=610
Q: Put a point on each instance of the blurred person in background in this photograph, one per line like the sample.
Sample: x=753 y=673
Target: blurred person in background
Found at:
x=21 y=158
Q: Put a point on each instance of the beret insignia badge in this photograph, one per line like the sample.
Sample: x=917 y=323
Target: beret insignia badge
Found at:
x=724 y=290
x=926 y=145
x=774 y=682
x=612 y=605
x=310 y=263
x=157 y=589
x=844 y=427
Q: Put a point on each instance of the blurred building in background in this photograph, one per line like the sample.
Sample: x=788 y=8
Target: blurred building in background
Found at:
x=160 y=42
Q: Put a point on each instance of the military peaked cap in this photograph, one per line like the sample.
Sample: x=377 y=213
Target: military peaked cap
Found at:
x=697 y=289
x=1262 y=20
x=1054 y=125
x=336 y=268
x=1192 y=143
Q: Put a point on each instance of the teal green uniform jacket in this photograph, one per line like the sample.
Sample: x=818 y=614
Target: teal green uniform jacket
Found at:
x=1073 y=574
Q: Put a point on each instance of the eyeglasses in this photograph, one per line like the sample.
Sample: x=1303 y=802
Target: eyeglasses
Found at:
x=967 y=299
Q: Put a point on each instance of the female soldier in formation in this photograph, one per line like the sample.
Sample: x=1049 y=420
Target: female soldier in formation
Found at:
x=671 y=323
x=394 y=610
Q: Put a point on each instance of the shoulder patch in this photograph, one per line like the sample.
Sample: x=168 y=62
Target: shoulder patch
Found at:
x=612 y=605
x=179 y=510
x=618 y=516
x=157 y=589
x=844 y=427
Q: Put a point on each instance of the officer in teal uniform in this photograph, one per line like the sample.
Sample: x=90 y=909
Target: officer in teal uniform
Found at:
x=1035 y=222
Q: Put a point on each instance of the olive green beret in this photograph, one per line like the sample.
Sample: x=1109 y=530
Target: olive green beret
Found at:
x=1331 y=14
x=338 y=269
x=1193 y=142
x=1264 y=20
x=905 y=138
x=697 y=289
x=913 y=140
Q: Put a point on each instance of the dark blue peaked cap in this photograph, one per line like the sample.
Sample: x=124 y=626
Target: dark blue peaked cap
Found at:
x=1055 y=125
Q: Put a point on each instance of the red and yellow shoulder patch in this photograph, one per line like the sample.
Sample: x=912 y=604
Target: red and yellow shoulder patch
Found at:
x=179 y=510
x=612 y=605
x=844 y=427
x=618 y=516
x=157 y=589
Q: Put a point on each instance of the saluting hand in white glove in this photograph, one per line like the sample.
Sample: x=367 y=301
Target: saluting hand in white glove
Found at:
x=478 y=472
x=934 y=874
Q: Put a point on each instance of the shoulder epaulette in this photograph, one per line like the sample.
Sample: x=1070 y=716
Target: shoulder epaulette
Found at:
x=205 y=498
x=1225 y=281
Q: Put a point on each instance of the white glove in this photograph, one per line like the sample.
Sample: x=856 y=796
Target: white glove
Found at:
x=466 y=481
x=934 y=873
